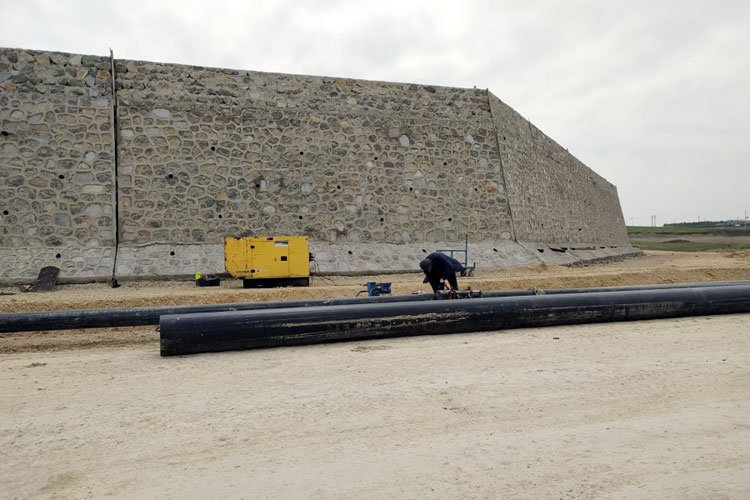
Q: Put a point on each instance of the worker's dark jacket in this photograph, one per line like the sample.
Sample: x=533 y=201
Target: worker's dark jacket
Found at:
x=443 y=267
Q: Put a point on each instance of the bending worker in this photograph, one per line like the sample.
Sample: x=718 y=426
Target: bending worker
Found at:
x=438 y=266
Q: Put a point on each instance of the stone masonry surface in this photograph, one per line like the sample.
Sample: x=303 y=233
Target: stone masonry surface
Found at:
x=209 y=152
x=336 y=160
x=56 y=164
x=375 y=173
x=554 y=198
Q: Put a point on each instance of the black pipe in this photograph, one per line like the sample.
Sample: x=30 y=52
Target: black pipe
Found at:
x=139 y=316
x=211 y=332
x=626 y=288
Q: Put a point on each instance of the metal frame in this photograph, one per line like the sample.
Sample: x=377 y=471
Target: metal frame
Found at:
x=469 y=271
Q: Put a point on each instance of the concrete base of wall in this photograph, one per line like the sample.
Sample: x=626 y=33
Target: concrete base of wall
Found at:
x=575 y=253
x=22 y=264
x=80 y=265
x=161 y=260
x=168 y=260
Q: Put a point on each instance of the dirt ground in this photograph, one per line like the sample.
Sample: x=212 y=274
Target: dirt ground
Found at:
x=652 y=267
x=641 y=409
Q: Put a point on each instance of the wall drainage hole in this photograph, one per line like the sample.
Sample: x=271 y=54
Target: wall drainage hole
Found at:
x=376 y=158
x=494 y=249
x=350 y=252
x=5 y=212
x=171 y=253
x=257 y=186
x=411 y=189
x=213 y=148
x=424 y=251
x=220 y=216
x=450 y=219
x=540 y=250
x=4 y=133
x=301 y=153
x=476 y=189
x=170 y=176
x=61 y=177
x=58 y=256
x=338 y=187
x=445 y=163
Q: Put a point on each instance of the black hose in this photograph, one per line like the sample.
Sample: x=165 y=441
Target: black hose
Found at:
x=138 y=316
x=224 y=331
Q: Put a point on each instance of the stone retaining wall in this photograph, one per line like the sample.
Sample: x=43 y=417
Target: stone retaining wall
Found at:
x=376 y=174
x=57 y=190
x=554 y=198
x=349 y=163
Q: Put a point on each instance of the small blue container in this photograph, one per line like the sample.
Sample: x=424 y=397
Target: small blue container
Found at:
x=374 y=289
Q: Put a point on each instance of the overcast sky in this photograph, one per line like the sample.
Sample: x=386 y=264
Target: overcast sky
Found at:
x=653 y=95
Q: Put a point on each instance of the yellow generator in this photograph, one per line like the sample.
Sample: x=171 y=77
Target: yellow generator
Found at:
x=268 y=261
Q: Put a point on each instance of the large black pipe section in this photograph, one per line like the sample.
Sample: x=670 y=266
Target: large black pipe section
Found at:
x=139 y=316
x=212 y=332
x=627 y=288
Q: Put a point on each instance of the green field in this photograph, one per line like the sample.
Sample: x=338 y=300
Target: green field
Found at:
x=687 y=246
x=720 y=231
x=689 y=238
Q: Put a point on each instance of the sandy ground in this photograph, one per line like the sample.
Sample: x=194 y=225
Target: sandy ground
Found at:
x=645 y=409
x=642 y=409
